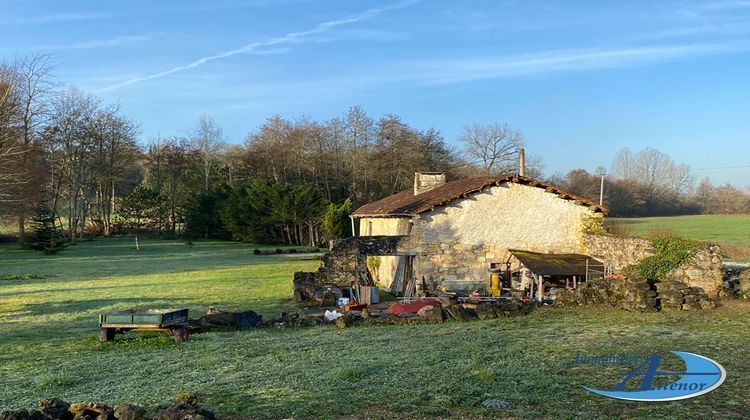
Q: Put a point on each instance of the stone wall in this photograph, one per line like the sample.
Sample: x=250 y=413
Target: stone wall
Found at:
x=616 y=251
x=384 y=226
x=704 y=270
x=637 y=295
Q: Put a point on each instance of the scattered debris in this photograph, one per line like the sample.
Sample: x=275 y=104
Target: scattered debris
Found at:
x=328 y=295
x=412 y=307
x=332 y=316
x=223 y=320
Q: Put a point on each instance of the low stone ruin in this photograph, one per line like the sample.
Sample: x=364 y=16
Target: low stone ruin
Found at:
x=338 y=266
x=637 y=295
x=185 y=407
x=677 y=296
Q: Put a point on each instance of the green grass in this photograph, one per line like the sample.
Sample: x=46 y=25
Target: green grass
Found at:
x=49 y=345
x=732 y=232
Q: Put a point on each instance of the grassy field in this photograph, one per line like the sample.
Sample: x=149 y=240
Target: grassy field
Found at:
x=49 y=345
x=730 y=231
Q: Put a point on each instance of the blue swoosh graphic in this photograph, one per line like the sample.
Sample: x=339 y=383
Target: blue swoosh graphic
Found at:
x=698 y=370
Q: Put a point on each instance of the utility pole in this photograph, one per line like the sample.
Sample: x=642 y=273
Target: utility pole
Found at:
x=601 y=191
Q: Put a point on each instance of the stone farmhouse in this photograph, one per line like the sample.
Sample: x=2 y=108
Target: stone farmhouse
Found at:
x=457 y=232
x=491 y=234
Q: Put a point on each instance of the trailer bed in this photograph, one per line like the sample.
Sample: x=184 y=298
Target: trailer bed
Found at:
x=172 y=320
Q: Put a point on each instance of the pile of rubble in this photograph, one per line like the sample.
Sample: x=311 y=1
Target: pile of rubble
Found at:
x=637 y=295
x=678 y=296
x=218 y=320
x=185 y=407
x=432 y=310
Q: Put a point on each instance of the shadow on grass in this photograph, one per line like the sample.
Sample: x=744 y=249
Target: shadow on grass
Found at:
x=72 y=308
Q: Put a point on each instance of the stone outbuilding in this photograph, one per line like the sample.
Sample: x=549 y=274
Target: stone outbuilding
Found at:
x=457 y=233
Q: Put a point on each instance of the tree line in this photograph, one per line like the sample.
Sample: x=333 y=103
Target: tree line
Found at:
x=291 y=181
x=651 y=183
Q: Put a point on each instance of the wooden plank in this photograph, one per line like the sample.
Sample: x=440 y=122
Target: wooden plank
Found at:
x=132 y=326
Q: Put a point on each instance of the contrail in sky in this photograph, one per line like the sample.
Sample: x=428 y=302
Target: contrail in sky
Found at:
x=289 y=38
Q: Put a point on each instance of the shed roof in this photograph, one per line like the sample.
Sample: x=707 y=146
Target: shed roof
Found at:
x=554 y=264
x=406 y=203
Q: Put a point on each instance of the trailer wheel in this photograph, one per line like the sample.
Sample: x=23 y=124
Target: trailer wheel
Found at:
x=106 y=334
x=181 y=334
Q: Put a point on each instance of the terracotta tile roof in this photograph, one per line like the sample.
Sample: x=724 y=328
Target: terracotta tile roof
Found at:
x=406 y=203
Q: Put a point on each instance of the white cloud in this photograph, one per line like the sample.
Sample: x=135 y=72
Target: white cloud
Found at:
x=98 y=43
x=49 y=18
x=446 y=71
x=289 y=38
x=557 y=61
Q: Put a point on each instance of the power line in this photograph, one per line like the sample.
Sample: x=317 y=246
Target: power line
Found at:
x=722 y=167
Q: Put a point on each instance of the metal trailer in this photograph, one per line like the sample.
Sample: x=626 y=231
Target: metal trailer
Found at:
x=172 y=320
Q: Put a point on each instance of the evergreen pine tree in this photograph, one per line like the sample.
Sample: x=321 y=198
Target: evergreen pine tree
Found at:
x=45 y=236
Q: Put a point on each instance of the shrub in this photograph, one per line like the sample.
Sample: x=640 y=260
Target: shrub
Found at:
x=279 y=251
x=256 y=251
x=671 y=252
x=291 y=250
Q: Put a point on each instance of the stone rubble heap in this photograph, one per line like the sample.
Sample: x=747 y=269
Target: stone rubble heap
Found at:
x=678 y=296
x=185 y=407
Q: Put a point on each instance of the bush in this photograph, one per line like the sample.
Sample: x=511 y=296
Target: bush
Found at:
x=279 y=251
x=671 y=252
x=291 y=250
x=256 y=251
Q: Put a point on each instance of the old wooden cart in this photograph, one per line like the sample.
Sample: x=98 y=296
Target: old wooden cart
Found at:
x=172 y=320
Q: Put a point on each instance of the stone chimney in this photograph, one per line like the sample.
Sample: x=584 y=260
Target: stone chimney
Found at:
x=425 y=181
x=521 y=162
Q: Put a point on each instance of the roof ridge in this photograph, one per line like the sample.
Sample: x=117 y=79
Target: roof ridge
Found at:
x=405 y=203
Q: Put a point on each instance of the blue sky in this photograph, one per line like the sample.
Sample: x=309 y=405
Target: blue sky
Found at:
x=579 y=79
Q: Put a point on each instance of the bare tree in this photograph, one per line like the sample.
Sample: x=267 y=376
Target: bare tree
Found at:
x=494 y=146
x=114 y=152
x=11 y=147
x=70 y=142
x=207 y=136
x=657 y=174
x=34 y=90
